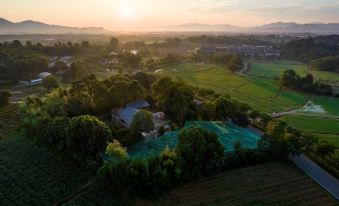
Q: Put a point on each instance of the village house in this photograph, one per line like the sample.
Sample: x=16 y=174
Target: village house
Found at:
x=123 y=117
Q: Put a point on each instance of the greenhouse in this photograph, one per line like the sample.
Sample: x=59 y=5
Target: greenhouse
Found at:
x=228 y=133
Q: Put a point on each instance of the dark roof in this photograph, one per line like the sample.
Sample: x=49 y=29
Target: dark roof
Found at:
x=138 y=105
x=128 y=114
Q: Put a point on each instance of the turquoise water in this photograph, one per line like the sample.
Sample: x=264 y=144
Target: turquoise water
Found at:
x=228 y=134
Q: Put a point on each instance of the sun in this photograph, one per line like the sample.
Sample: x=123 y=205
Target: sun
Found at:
x=127 y=11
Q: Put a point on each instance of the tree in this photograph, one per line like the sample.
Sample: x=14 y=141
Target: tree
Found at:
x=84 y=91
x=88 y=135
x=325 y=148
x=289 y=79
x=207 y=111
x=56 y=133
x=199 y=152
x=50 y=82
x=235 y=64
x=142 y=122
x=146 y=80
x=114 y=43
x=4 y=97
x=116 y=152
x=77 y=71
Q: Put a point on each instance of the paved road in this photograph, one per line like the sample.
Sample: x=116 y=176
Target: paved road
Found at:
x=323 y=178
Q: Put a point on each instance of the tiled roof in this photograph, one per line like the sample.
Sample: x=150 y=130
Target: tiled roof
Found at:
x=138 y=105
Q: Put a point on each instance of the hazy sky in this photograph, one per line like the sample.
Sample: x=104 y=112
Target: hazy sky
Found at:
x=151 y=14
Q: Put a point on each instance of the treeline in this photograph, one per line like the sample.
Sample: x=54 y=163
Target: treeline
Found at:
x=54 y=111
x=199 y=153
x=330 y=63
x=24 y=61
x=290 y=79
x=232 y=62
x=305 y=50
x=18 y=62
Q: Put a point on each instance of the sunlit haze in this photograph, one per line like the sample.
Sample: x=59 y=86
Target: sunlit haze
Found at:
x=156 y=14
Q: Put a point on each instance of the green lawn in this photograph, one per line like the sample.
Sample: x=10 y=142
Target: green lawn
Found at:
x=313 y=124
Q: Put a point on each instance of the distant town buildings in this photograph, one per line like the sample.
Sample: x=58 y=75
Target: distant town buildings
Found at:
x=249 y=51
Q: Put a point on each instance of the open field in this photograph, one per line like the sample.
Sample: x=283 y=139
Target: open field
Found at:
x=274 y=69
x=267 y=184
x=30 y=175
x=258 y=93
x=9 y=120
x=329 y=104
x=331 y=138
x=313 y=124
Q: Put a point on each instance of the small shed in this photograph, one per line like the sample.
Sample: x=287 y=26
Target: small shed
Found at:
x=43 y=75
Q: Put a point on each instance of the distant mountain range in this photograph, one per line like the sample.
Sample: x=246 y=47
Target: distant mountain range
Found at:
x=34 y=27
x=279 y=27
x=206 y=27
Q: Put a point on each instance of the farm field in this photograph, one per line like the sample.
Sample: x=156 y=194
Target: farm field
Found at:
x=331 y=138
x=267 y=184
x=313 y=124
x=97 y=195
x=274 y=69
x=9 y=120
x=329 y=104
x=30 y=175
x=258 y=93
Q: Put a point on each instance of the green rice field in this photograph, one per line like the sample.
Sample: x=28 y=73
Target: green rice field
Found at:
x=274 y=69
x=260 y=94
x=228 y=134
x=313 y=124
x=331 y=138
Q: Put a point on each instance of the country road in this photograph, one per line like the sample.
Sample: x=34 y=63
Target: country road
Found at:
x=323 y=178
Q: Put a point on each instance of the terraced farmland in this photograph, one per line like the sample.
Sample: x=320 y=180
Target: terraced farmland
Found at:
x=260 y=94
x=98 y=195
x=30 y=175
x=313 y=124
x=9 y=120
x=268 y=184
x=274 y=69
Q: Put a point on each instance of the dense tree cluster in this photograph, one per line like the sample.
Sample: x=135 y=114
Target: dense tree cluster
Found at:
x=330 y=63
x=19 y=62
x=308 y=49
x=292 y=80
x=198 y=153
x=4 y=97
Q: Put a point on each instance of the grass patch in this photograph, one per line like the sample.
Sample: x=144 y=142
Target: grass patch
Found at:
x=329 y=104
x=331 y=138
x=267 y=184
x=313 y=124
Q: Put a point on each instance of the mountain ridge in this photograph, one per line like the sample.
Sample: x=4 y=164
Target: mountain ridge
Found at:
x=36 y=27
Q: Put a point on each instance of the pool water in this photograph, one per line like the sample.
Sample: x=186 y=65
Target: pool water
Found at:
x=228 y=133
